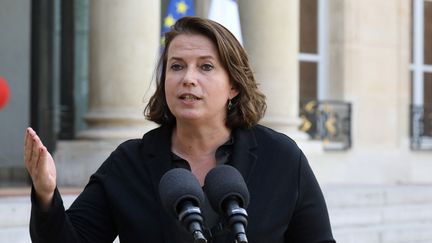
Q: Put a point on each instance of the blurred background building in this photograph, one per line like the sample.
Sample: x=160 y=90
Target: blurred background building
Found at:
x=349 y=80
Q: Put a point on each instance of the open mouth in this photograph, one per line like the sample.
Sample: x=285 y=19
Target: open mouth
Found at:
x=189 y=97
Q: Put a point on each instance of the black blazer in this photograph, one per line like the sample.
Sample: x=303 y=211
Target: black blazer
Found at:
x=121 y=198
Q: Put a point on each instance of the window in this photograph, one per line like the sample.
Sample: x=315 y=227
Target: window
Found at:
x=313 y=50
x=421 y=52
x=421 y=75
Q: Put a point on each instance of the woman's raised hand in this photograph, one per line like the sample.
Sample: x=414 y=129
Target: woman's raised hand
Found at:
x=41 y=167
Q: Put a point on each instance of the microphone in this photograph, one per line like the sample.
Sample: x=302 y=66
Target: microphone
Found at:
x=228 y=195
x=181 y=196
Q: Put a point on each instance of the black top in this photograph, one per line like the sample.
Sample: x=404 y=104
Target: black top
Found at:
x=121 y=198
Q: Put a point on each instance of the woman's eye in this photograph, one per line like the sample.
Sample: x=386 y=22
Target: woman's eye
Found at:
x=207 y=67
x=176 y=67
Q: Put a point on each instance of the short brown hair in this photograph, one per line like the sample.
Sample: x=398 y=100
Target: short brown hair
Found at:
x=248 y=106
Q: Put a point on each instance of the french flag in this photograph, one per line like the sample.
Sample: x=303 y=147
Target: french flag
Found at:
x=225 y=12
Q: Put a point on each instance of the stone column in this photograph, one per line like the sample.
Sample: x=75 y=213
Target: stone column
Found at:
x=370 y=62
x=271 y=37
x=124 y=43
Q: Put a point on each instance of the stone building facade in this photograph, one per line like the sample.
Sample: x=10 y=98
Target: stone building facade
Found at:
x=350 y=81
x=356 y=53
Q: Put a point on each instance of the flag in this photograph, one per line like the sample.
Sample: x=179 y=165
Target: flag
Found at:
x=225 y=12
x=176 y=10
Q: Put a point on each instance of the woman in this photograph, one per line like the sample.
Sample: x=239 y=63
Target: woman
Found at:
x=208 y=106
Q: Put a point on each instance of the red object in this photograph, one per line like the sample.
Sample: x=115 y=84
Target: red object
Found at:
x=4 y=92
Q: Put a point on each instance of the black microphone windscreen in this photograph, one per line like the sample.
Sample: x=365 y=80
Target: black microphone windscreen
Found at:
x=177 y=185
x=222 y=182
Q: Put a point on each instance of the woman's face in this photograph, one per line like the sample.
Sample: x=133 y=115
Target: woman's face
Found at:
x=197 y=87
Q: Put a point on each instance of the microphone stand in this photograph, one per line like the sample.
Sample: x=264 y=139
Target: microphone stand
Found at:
x=191 y=217
x=237 y=220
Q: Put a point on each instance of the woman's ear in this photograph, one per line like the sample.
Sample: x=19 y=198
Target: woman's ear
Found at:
x=233 y=93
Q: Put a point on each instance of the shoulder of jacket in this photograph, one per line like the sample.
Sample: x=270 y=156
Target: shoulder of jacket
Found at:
x=264 y=132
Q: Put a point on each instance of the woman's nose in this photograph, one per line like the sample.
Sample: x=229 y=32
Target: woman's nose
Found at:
x=190 y=77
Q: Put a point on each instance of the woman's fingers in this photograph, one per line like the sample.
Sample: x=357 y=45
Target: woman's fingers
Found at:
x=46 y=164
x=40 y=165
x=31 y=153
x=35 y=154
x=36 y=149
x=28 y=147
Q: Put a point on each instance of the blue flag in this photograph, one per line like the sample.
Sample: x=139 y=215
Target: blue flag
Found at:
x=176 y=9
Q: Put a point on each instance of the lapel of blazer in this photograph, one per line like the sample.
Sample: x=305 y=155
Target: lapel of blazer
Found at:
x=157 y=151
x=244 y=155
x=244 y=158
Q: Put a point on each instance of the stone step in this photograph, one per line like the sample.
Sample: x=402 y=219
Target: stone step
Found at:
x=15 y=234
x=20 y=235
x=373 y=214
x=389 y=233
x=376 y=195
x=364 y=216
x=15 y=206
x=14 y=211
x=402 y=223
x=380 y=214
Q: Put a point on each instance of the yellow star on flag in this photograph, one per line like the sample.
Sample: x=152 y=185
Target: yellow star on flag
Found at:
x=182 y=7
x=169 y=21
